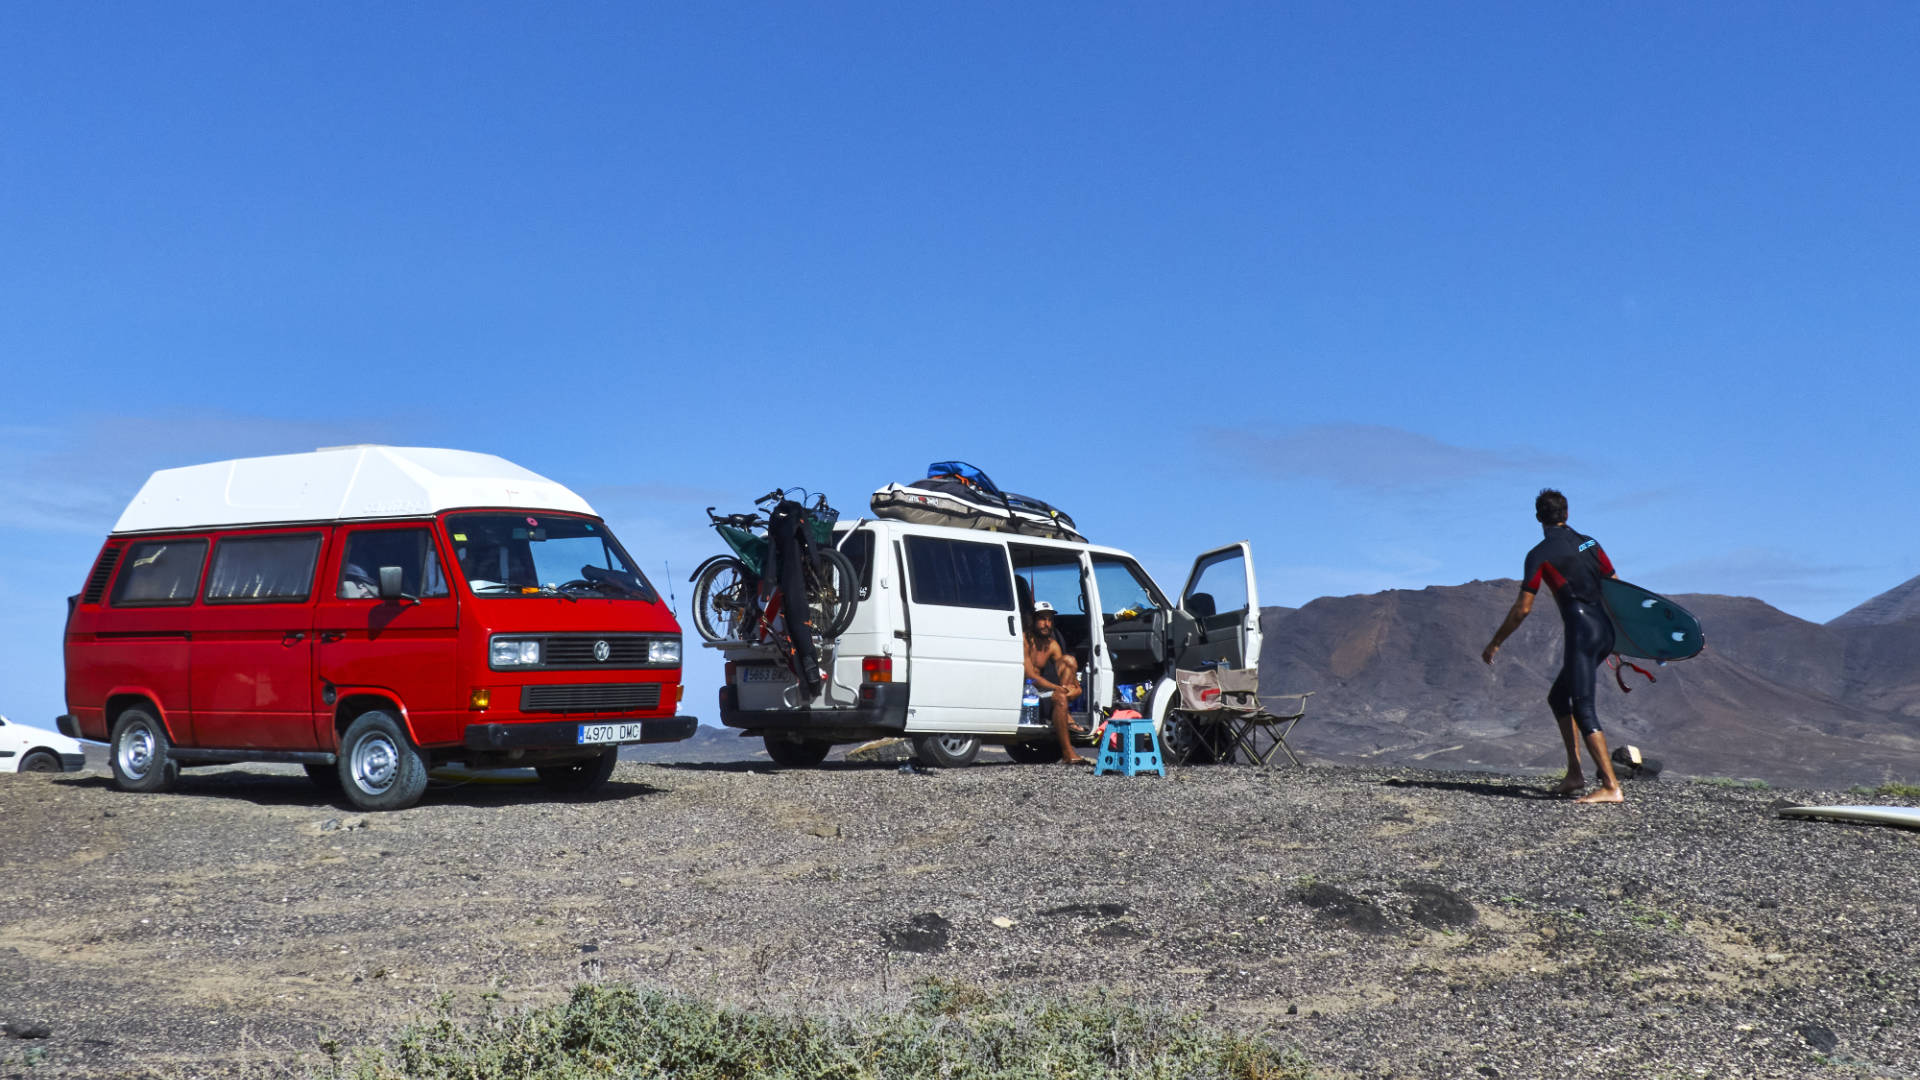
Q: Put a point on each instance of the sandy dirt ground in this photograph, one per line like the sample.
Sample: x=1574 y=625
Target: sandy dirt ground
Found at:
x=1386 y=923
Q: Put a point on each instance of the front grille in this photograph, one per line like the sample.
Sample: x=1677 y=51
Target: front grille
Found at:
x=592 y=697
x=576 y=650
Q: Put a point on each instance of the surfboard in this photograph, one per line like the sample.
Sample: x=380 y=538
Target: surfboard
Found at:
x=1648 y=625
x=1907 y=816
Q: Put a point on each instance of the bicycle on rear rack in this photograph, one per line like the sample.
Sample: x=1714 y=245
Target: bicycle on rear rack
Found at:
x=741 y=598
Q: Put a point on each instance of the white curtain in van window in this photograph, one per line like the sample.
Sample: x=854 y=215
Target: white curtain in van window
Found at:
x=263 y=568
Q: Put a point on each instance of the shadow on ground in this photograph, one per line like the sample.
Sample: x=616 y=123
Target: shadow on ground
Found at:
x=1476 y=787
x=266 y=789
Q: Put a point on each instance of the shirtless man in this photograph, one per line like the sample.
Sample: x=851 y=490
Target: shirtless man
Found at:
x=1051 y=668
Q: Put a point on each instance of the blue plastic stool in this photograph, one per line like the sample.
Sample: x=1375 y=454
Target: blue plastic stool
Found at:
x=1129 y=747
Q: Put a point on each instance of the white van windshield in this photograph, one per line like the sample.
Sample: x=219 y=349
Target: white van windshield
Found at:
x=531 y=554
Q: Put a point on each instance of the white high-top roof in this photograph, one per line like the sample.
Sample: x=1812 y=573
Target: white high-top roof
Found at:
x=338 y=483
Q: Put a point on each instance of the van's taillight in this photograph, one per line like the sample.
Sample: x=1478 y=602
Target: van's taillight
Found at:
x=728 y=680
x=876 y=669
x=479 y=699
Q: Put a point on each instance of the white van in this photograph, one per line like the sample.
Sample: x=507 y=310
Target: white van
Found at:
x=934 y=650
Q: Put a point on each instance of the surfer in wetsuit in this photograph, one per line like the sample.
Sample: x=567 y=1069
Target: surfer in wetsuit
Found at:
x=1573 y=565
x=1052 y=668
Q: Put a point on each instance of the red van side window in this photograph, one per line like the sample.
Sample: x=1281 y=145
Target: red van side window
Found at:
x=409 y=549
x=253 y=569
x=160 y=572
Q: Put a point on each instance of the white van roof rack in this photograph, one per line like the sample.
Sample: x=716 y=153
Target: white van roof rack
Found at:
x=338 y=483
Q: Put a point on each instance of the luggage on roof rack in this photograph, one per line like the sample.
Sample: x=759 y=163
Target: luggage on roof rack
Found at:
x=957 y=494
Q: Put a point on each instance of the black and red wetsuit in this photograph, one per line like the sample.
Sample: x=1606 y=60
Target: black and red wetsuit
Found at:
x=1573 y=566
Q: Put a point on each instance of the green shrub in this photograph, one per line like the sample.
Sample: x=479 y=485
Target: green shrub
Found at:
x=1899 y=791
x=951 y=1031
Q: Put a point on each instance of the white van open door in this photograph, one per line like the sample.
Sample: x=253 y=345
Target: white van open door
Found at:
x=1222 y=605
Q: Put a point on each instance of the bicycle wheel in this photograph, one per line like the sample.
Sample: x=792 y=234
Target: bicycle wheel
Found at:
x=834 y=592
x=723 y=601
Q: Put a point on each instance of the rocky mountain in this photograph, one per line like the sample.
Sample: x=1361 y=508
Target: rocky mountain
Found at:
x=1398 y=679
x=1898 y=604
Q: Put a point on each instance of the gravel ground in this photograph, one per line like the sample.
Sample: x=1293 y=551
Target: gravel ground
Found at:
x=1387 y=923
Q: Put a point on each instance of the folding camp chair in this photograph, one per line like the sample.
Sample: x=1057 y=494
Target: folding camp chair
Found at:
x=1225 y=714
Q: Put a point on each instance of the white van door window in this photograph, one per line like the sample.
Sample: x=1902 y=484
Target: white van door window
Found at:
x=967 y=671
x=1123 y=590
x=1223 y=603
x=959 y=573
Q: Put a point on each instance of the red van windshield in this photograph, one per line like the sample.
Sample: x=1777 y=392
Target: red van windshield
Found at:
x=528 y=554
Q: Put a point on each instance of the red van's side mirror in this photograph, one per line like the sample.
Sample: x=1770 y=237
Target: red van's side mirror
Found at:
x=390 y=577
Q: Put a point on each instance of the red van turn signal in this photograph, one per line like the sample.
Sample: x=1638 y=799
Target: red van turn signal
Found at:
x=876 y=669
x=479 y=699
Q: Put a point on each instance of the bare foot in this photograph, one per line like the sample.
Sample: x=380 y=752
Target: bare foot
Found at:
x=1572 y=785
x=1605 y=794
x=1076 y=760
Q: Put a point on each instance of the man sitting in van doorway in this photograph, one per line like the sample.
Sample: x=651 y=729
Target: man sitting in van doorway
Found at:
x=1054 y=670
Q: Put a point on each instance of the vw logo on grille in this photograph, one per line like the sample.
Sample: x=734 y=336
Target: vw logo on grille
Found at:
x=601 y=651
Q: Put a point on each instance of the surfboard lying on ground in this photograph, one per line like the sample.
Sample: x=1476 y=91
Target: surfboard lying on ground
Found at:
x=1907 y=816
x=1648 y=625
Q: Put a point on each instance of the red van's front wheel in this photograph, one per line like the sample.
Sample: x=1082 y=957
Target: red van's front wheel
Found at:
x=379 y=768
x=142 y=758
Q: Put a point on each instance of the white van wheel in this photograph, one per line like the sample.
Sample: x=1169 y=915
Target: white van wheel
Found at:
x=791 y=753
x=946 y=751
x=1181 y=741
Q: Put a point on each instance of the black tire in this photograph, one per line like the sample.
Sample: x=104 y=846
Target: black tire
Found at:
x=1181 y=742
x=379 y=769
x=1043 y=752
x=789 y=753
x=836 y=592
x=946 y=751
x=324 y=777
x=723 y=600
x=580 y=777
x=41 y=761
x=141 y=753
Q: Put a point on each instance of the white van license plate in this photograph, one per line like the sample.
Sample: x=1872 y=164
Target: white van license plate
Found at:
x=766 y=673
x=609 y=733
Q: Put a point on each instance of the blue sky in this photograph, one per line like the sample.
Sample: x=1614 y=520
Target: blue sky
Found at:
x=1350 y=281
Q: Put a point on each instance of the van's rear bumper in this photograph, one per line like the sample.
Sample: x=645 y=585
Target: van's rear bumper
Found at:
x=69 y=725
x=885 y=714
x=565 y=735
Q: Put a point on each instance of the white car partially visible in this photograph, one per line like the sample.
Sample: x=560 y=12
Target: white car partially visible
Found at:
x=32 y=749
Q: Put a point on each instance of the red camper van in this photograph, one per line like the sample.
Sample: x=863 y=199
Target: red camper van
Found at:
x=369 y=612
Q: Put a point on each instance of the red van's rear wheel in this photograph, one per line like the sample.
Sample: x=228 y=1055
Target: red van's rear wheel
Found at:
x=379 y=767
x=142 y=754
x=579 y=777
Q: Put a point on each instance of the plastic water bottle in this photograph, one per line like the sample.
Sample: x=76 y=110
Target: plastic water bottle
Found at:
x=1030 y=704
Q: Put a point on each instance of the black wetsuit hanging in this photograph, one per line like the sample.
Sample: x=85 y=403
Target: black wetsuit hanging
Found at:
x=788 y=548
x=1573 y=565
